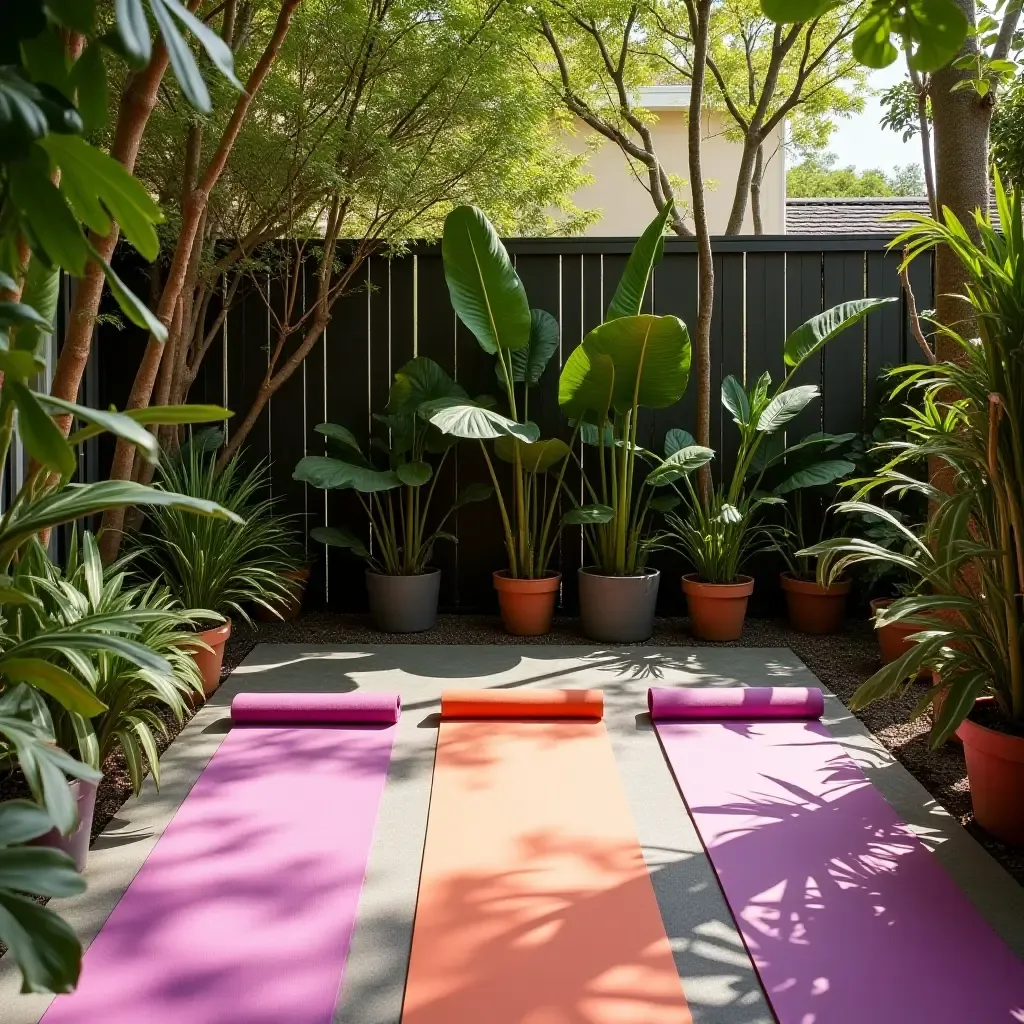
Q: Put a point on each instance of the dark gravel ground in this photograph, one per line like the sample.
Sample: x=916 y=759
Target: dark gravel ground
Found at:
x=841 y=662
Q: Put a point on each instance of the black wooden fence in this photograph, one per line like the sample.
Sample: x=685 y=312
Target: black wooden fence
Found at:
x=764 y=288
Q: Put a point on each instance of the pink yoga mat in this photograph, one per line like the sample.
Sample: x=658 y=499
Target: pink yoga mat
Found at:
x=244 y=910
x=847 y=916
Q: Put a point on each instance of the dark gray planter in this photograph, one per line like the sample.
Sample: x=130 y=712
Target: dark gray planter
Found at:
x=75 y=845
x=403 y=604
x=618 y=609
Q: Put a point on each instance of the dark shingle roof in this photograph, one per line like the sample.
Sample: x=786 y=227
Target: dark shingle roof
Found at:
x=855 y=216
x=849 y=216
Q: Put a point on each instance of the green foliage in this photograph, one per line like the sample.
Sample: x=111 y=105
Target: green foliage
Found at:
x=973 y=541
x=818 y=176
x=218 y=564
x=1008 y=135
x=45 y=949
x=396 y=499
x=490 y=300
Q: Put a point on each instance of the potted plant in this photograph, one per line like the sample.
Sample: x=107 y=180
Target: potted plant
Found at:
x=218 y=568
x=626 y=364
x=396 y=496
x=721 y=529
x=489 y=298
x=971 y=556
x=812 y=468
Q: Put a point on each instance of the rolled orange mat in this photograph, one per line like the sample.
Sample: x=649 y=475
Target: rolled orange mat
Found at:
x=521 y=704
x=535 y=905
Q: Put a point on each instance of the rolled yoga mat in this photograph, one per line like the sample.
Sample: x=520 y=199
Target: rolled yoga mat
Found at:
x=847 y=916
x=534 y=904
x=244 y=910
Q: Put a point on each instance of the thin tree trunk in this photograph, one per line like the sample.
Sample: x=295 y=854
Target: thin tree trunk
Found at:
x=749 y=160
x=926 y=152
x=755 y=191
x=700 y=16
x=192 y=216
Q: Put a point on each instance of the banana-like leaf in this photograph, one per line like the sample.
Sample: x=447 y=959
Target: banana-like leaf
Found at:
x=676 y=439
x=54 y=680
x=649 y=359
x=538 y=457
x=817 y=332
x=473 y=493
x=734 y=398
x=817 y=475
x=470 y=421
x=529 y=364
x=338 y=537
x=485 y=290
x=40 y=435
x=680 y=464
x=329 y=474
x=341 y=435
x=629 y=293
x=419 y=381
x=43 y=945
x=158 y=415
x=124 y=427
x=414 y=474
x=783 y=407
x=588 y=515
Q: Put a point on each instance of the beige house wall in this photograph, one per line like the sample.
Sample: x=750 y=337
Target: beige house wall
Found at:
x=625 y=203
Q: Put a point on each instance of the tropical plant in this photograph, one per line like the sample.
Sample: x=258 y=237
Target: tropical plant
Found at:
x=630 y=362
x=719 y=532
x=396 y=499
x=490 y=300
x=132 y=694
x=970 y=558
x=218 y=566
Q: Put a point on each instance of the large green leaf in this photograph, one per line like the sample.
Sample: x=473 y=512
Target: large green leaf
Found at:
x=20 y=821
x=42 y=871
x=133 y=32
x=329 y=474
x=134 y=308
x=41 y=436
x=821 y=329
x=180 y=415
x=471 y=494
x=42 y=944
x=650 y=359
x=54 y=680
x=54 y=229
x=680 y=464
x=42 y=294
x=734 y=398
x=529 y=364
x=938 y=27
x=419 y=381
x=339 y=537
x=469 y=421
x=872 y=45
x=125 y=427
x=588 y=515
x=343 y=437
x=816 y=475
x=537 y=457
x=790 y=11
x=485 y=290
x=783 y=407
x=676 y=439
x=629 y=293
x=414 y=474
x=99 y=188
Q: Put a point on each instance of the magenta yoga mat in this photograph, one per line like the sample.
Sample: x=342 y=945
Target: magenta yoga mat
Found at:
x=846 y=915
x=244 y=910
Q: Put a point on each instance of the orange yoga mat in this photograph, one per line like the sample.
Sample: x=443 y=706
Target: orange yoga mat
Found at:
x=535 y=906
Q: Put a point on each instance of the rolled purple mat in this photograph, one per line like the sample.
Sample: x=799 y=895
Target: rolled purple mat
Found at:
x=316 y=708
x=753 y=703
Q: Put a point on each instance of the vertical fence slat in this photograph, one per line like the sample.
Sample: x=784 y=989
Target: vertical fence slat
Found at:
x=842 y=387
x=804 y=275
x=885 y=329
x=570 y=312
x=730 y=296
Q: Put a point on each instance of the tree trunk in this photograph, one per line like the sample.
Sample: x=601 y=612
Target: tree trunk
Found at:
x=700 y=19
x=961 y=123
x=926 y=151
x=745 y=176
x=755 y=191
x=192 y=216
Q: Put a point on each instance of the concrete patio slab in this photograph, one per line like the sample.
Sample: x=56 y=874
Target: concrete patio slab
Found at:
x=717 y=974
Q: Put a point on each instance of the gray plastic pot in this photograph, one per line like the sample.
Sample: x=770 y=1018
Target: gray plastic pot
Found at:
x=76 y=845
x=403 y=604
x=618 y=609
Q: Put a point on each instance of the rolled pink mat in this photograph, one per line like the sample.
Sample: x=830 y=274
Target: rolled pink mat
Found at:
x=752 y=703
x=316 y=708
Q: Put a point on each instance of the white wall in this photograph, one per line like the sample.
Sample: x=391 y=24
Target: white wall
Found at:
x=626 y=205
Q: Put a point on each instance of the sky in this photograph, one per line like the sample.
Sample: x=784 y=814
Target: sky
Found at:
x=862 y=142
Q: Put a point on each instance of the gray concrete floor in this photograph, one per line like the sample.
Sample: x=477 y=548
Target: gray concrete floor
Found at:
x=718 y=977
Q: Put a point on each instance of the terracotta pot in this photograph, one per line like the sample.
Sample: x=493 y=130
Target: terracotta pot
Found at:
x=403 y=604
x=527 y=606
x=290 y=607
x=618 y=609
x=813 y=608
x=995 y=770
x=717 y=610
x=210 y=661
x=892 y=638
x=75 y=845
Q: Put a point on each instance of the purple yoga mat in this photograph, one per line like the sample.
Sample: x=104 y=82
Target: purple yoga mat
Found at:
x=847 y=916
x=323 y=708
x=748 y=702
x=244 y=910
